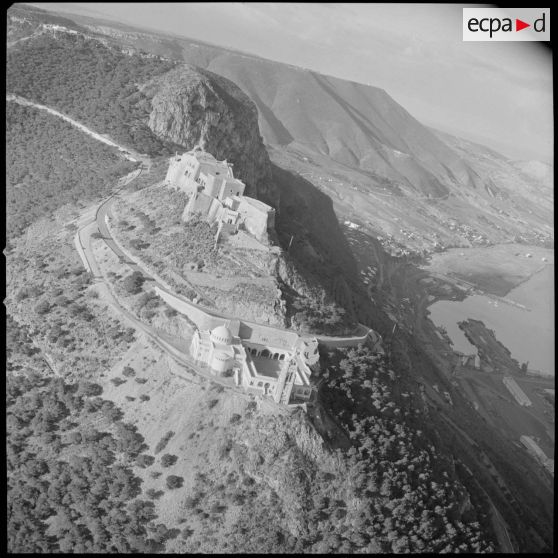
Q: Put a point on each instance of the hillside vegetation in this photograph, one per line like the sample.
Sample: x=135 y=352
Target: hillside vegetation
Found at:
x=415 y=187
x=410 y=496
x=49 y=163
x=112 y=446
x=70 y=485
x=89 y=82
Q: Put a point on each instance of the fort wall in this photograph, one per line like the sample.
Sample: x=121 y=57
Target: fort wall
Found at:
x=260 y=334
x=255 y=216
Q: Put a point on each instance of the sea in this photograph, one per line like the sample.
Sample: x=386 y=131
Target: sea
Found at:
x=527 y=331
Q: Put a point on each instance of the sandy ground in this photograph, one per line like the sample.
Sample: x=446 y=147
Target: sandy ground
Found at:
x=495 y=269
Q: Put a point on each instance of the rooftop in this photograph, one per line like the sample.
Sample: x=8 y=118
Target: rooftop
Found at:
x=257 y=204
x=221 y=335
x=269 y=336
x=215 y=168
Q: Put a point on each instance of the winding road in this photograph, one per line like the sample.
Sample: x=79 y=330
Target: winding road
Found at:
x=84 y=239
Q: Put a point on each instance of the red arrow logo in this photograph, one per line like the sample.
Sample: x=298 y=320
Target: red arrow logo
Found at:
x=519 y=25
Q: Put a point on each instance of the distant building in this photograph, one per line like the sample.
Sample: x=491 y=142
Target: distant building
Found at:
x=278 y=363
x=534 y=449
x=516 y=391
x=217 y=196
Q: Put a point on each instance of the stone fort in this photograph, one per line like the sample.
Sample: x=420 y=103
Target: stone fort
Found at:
x=217 y=196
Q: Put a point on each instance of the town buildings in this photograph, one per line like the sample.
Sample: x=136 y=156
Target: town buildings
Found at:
x=516 y=391
x=534 y=449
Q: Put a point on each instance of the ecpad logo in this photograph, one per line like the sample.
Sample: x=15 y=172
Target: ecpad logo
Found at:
x=510 y=24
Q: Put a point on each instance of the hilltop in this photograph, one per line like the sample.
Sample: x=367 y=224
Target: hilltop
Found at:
x=119 y=445
x=404 y=182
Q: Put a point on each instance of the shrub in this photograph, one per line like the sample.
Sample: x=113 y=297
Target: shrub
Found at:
x=89 y=389
x=128 y=371
x=252 y=406
x=43 y=307
x=21 y=294
x=141 y=380
x=167 y=460
x=187 y=533
x=129 y=335
x=154 y=494
x=149 y=314
x=162 y=444
x=74 y=438
x=218 y=508
x=133 y=283
x=235 y=418
x=144 y=397
x=118 y=381
x=174 y=481
x=144 y=460
x=238 y=499
x=191 y=502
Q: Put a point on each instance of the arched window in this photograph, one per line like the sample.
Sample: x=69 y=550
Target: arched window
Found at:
x=282 y=357
x=276 y=356
x=260 y=384
x=265 y=353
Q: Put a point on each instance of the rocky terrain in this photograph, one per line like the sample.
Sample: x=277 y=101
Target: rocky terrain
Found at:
x=193 y=107
x=417 y=188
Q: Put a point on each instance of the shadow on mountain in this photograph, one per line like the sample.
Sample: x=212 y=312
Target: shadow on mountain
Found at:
x=281 y=135
x=308 y=230
x=321 y=253
x=356 y=116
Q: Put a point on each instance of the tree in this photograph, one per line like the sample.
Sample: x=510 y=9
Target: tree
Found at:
x=174 y=481
x=128 y=371
x=187 y=533
x=144 y=460
x=118 y=381
x=42 y=307
x=89 y=389
x=154 y=494
x=133 y=283
x=167 y=460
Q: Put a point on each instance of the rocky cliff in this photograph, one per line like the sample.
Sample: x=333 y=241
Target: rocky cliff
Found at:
x=190 y=107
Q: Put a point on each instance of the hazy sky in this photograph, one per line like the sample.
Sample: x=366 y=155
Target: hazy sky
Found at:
x=499 y=94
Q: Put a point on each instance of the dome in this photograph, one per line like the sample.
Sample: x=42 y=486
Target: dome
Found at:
x=221 y=335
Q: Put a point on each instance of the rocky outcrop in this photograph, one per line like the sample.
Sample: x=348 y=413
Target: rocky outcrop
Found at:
x=190 y=107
